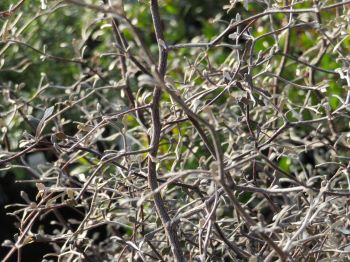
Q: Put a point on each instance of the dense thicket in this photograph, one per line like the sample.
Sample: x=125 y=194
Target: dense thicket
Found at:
x=177 y=130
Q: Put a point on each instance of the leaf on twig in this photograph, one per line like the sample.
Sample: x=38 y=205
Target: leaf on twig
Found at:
x=48 y=112
x=43 y=4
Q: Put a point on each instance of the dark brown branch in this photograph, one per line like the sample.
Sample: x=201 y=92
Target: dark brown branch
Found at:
x=170 y=228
